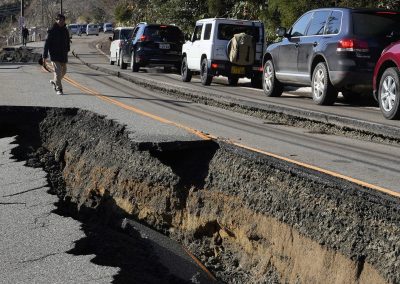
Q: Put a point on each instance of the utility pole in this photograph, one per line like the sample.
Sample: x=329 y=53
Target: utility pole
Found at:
x=22 y=8
x=61 y=8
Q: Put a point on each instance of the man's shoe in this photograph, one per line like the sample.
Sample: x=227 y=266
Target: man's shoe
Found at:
x=59 y=92
x=53 y=83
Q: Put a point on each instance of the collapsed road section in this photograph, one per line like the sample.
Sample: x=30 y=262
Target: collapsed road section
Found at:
x=248 y=217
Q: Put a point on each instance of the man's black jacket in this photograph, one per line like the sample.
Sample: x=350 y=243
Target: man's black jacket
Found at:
x=57 y=44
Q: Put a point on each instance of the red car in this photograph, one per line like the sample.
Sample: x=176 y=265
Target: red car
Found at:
x=386 y=81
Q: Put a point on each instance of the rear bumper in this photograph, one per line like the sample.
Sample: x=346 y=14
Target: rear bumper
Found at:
x=147 y=58
x=352 y=80
x=226 y=68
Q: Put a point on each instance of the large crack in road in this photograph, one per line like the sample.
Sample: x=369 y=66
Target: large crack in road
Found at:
x=248 y=217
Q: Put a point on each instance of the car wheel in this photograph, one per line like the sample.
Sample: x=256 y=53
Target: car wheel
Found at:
x=271 y=86
x=205 y=77
x=122 y=64
x=111 y=61
x=389 y=96
x=185 y=71
x=233 y=80
x=134 y=65
x=323 y=92
x=117 y=58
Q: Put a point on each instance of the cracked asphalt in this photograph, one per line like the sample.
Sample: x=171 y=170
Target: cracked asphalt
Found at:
x=35 y=241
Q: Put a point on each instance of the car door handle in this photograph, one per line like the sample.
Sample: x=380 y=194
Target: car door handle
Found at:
x=315 y=44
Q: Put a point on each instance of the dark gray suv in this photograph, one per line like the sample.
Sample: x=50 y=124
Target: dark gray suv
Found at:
x=331 y=50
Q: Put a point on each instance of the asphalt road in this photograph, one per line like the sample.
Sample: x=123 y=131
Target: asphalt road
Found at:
x=152 y=116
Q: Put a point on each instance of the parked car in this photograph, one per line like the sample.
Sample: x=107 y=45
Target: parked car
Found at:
x=207 y=52
x=108 y=28
x=101 y=27
x=386 y=82
x=83 y=29
x=73 y=29
x=153 y=45
x=331 y=50
x=92 y=29
x=120 y=36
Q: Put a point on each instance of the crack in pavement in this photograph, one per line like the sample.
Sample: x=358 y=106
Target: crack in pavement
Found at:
x=22 y=192
x=40 y=258
x=12 y=203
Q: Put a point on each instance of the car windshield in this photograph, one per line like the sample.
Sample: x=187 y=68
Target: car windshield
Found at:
x=164 y=33
x=227 y=31
x=377 y=24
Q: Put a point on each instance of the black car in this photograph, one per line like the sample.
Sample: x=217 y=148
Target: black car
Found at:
x=331 y=50
x=153 y=45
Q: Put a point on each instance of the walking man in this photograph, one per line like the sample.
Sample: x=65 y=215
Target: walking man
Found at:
x=25 y=34
x=58 y=45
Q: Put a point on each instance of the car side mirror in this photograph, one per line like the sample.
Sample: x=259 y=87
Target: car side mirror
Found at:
x=281 y=32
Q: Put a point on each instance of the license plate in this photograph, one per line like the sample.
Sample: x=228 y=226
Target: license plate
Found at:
x=237 y=70
x=164 y=46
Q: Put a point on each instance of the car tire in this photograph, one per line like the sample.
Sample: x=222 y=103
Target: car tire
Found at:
x=206 y=79
x=233 y=80
x=117 y=58
x=185 y=71
x=323 y=92
x=271 y=86
x=389 y=93
x=111 y=61
x=134 y=66
x=122 y=64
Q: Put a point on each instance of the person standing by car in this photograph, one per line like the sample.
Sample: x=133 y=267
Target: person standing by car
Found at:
x=25 y=34
x=58 y=45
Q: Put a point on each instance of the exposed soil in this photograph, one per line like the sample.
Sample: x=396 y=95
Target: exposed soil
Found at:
x=248 y=217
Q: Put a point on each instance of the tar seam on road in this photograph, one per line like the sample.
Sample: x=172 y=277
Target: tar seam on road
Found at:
x=211 y=137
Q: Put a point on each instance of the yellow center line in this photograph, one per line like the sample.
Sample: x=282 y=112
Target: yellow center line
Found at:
x=210 y=137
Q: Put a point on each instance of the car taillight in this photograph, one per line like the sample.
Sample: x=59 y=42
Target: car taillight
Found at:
x=349 y=44
x=145 y=38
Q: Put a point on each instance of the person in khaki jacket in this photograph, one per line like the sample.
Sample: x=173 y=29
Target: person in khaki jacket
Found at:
x=58 y=45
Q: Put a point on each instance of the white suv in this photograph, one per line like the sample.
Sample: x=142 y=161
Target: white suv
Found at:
x=207 y=51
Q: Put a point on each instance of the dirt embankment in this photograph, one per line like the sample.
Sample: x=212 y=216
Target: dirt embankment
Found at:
x=248 y=217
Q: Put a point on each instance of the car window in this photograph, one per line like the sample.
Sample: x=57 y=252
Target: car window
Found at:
x=135 y=31
x=207 y=31
x=227 y=31
x=299 y=28
x=376 y=24
x=164 y=33
x=197 y=32
x=334 y=22
x=318 y=22
x=126 y=33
